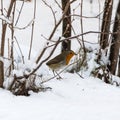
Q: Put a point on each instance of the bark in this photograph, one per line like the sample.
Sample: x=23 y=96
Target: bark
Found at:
x=1 y=73
x=106 y=23
x=118 y=74
x=66 y=28
x=115 y=45
x=4 y=28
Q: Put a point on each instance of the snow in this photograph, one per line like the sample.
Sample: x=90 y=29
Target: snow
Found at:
x=71 y=98
x=5 y=19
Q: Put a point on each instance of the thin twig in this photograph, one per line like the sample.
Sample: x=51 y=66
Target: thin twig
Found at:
x=20 y=50
x=99 y=18
x=22 y=28
x=55 y=21
x=20 y=12
x=58 y=4
x=85 y=33
x=33 y=24
x=64 y=13
x=81 y=23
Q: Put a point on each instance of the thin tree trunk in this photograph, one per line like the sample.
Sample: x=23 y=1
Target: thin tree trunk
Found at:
x=66 y=28
x=32 y=32
x=106 y=23
x=118 y=74
x=12 y=36
x=115 y=45
x=4 y=28
x=1 y=73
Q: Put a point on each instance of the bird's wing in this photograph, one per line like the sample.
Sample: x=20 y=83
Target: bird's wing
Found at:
x=55 y=60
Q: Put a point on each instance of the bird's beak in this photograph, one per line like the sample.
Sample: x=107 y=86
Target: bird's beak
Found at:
x=75 y=54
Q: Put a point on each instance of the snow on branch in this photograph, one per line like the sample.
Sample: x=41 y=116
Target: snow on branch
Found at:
x=2 y=17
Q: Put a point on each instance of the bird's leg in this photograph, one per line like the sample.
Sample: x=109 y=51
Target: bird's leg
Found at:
x=59 y=77
x=54 y=73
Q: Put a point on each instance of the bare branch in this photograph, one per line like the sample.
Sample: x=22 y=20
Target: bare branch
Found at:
x=22 y=28
x=19 y=13
x=33 y=24
x=64 y=13
x=53 y=12
x=5 y=19
x=20 y=49
x=58 y=4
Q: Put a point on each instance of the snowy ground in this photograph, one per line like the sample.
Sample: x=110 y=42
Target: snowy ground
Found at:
x=72 y=98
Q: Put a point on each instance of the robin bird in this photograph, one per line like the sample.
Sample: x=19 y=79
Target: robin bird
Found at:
x=60 y=61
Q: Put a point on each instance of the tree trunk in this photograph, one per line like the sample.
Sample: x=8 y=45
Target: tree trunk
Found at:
x=106 y=23
x=4 y=28
x=1 y=73
x=115 y=45
x=66 y=28
x=118 y=74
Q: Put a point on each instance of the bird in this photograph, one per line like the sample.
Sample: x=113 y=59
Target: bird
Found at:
x=60 y=61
